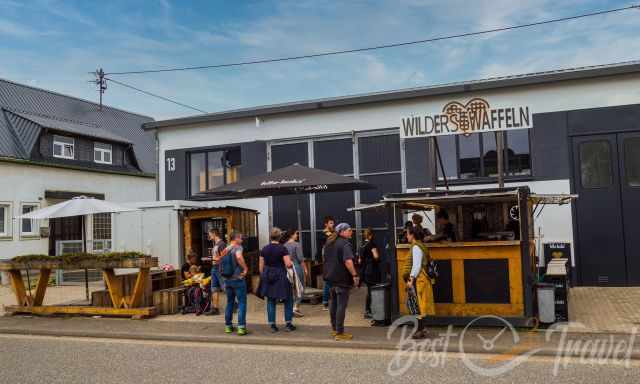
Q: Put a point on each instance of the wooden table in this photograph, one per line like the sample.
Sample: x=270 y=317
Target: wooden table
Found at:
x=123 y=305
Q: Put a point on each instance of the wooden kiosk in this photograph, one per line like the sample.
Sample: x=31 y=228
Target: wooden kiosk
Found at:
x=490 y=270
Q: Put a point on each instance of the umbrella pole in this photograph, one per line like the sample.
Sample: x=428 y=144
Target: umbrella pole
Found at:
x=84 y=248
x=299 y=213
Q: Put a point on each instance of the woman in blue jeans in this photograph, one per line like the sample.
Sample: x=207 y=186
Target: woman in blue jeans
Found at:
x=274 y=284
x=233 y=270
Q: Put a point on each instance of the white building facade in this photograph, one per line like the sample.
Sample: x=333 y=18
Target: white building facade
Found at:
x=581 y=138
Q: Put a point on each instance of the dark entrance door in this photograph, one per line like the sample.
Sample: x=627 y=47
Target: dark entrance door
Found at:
x=607 y=180
x=64 y=228
x=629 y=150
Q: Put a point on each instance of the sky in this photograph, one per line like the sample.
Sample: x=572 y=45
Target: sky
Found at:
x=56 y=44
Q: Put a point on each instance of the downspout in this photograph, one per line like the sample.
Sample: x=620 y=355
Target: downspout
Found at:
x=155 y=136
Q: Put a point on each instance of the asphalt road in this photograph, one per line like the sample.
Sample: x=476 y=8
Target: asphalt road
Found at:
x=37 y=359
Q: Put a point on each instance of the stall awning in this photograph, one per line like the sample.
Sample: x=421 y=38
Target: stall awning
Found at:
x=557 y=199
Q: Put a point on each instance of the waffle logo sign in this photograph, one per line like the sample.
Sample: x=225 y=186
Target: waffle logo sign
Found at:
x=464 y=119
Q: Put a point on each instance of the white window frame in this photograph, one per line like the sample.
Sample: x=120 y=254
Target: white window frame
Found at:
x=35 y=229
x=102 y=152
x=64 y=145
x=7 y=233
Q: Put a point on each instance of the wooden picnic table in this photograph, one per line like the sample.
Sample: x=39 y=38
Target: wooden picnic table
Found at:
x=122 y=305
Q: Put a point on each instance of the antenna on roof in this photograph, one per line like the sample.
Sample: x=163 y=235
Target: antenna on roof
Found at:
x=101 y=83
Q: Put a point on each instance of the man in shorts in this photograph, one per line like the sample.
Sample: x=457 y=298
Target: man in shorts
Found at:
x=217 y=283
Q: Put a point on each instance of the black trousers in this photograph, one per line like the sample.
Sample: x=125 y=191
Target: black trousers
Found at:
x=338 y=307
x=367 y=305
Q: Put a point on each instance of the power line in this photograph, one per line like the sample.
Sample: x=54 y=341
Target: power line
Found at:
x=394 y=45
x=154 y=95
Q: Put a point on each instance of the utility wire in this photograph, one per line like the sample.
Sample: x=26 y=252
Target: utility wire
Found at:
x=394 y=45
x=154 y=95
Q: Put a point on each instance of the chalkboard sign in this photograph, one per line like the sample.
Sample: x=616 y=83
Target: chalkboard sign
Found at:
x=557 y=250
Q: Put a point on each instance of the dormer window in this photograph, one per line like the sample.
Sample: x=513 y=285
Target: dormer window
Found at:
x=102 y=153
x=63 y=147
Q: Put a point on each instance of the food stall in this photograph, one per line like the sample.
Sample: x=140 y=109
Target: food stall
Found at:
x=490 y=269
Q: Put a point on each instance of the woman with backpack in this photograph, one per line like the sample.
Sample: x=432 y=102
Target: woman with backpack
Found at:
x=418 y=282
x=370 y=267
x=274 y=283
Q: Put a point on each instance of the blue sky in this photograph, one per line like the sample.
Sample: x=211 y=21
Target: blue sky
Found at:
x=52 y=45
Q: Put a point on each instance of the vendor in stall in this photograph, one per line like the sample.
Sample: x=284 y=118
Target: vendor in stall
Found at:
x=445 y=230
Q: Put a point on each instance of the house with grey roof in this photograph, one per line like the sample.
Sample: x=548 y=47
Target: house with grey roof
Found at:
x=54 y=147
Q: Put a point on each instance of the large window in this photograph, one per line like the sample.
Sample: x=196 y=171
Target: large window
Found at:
x=28 y=227
x=213 y=169
x=101 y=232
x=595 y=164
x=632 y=161
x=102 y=153
x=5 y=220
x=475 y=156
x=63 y=147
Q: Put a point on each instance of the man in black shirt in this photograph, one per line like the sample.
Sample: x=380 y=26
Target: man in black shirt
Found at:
x=340 y=271
x=445 y=230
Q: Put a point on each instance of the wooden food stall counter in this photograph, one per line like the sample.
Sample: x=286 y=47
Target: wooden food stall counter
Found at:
x=476 y=278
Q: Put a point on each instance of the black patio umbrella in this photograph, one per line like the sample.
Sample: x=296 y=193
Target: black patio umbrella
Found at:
x=292 y=180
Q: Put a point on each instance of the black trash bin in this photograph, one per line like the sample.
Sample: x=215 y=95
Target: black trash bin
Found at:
x=381 y=304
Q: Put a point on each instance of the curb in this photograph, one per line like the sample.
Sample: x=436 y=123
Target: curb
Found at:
x=269 y=341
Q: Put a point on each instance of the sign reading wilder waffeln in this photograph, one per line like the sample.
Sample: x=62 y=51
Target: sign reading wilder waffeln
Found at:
x=476 y=116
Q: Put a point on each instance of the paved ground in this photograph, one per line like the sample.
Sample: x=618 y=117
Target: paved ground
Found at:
x=596 y=309
x=27 y=359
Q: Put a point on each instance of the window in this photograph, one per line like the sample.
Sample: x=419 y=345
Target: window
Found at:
x=595 y=164
x=489 y=154
x=448 y=154
x=469 y=156
x=5 y=220
x=518 y=152
x=28 y=227
x=102 y=153
x=101 y=232
x=63 y=147
x=213 y=169
x=632 y=161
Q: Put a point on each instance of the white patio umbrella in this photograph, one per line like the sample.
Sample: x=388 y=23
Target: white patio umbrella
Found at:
x=78 y=206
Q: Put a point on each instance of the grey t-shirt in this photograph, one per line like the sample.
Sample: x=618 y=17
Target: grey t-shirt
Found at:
x=217 y=250
x=295 y=251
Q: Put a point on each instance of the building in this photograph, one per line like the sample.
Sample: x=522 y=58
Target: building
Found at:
x=54 y=147
x=566 y=131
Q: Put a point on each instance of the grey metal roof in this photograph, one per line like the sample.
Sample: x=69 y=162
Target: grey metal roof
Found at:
x=79 y=128
x=25 y=107
x=432 y=90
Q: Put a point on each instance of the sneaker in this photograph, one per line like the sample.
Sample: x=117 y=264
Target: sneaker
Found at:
x=343 y=336
x=420 y=335
x=334 y=333
x=242 y=331
x=325 y=307
x=368 y=315
x=213 y=312
x=274 y=329
x=228 y=329
x=290 y=327
x=297 y=313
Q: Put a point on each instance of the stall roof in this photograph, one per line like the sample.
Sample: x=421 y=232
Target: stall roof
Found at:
x=438 y=197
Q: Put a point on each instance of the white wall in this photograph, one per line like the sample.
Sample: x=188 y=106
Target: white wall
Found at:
x=27 y=183
x=567 y=95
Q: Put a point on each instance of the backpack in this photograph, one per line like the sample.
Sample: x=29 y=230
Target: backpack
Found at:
x=228 y=264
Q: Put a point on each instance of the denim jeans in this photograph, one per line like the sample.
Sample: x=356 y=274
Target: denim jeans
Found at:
x=236 y=290
x=325 y=292
x=300 y=273
x=271 y=310
x=338 y=307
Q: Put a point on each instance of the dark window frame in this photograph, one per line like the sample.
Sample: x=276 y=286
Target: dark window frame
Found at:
x=206 y=152
x=483 y=178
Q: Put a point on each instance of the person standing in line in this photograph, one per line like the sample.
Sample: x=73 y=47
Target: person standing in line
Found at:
x=292 y=243
x=233 y=270
x=274 y=283
x=417 y=220
x=341 y=273
x=217 y=284
x=370 y=267
x=418 y=281
x=329 y=224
